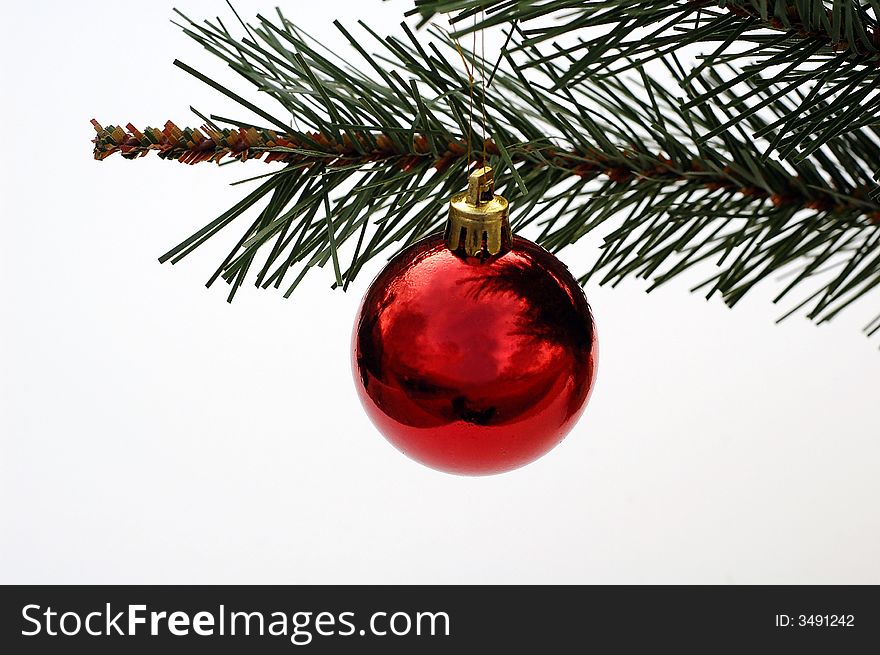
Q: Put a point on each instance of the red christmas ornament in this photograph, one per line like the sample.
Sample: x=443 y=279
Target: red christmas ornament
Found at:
x=474 y=352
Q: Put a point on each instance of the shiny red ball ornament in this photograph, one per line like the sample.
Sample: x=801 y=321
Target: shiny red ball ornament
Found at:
x=469 y=361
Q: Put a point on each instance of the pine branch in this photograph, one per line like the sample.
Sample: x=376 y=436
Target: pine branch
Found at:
x=829 y=48
x=190 y=146
x=670 y=183
x=841 y=25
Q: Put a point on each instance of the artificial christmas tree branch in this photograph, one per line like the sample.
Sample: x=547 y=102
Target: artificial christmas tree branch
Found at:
x=672 y=183
x=839 y=24
x=194 y=145
x=829 y=48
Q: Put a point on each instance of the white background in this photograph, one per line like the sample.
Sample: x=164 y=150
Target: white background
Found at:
x=153 y=433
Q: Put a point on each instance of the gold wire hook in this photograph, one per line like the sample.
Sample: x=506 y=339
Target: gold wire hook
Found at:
x=470 y=73
x=483 y=81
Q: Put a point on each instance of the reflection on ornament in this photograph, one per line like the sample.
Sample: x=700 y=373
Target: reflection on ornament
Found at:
x=474 y=352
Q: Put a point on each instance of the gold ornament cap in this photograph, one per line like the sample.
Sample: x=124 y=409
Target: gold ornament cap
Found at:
x=479 y=222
